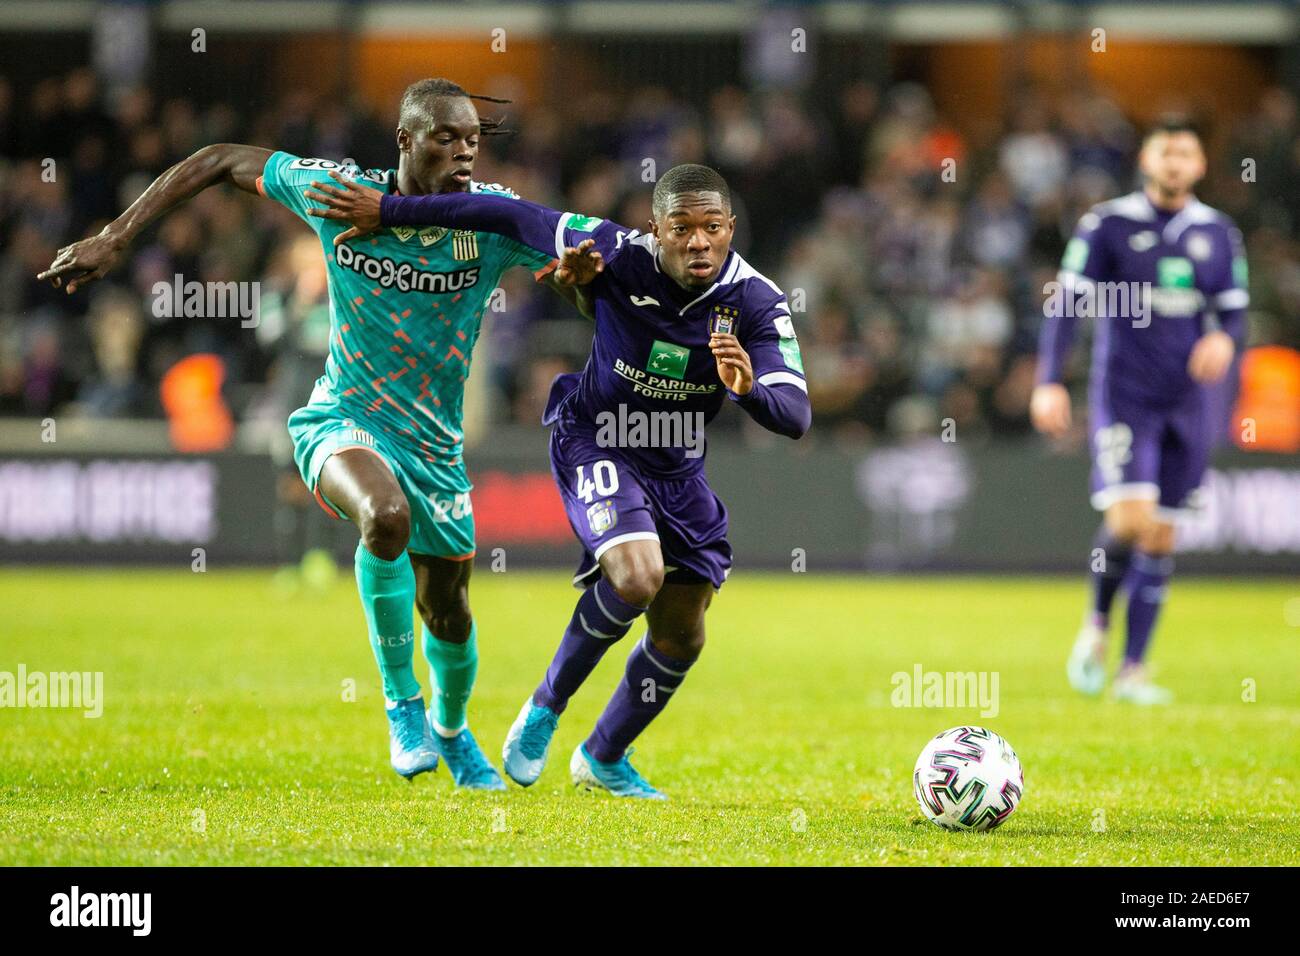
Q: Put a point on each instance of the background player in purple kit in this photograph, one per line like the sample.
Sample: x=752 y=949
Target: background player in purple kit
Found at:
x=1165 y=276
x=682 y=323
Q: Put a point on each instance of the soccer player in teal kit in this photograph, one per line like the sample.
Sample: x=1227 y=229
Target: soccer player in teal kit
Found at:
x=379 y=442
x=683 y=325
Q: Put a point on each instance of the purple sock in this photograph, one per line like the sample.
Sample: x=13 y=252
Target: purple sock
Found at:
x=1145 y=583
x=1114 y=562
x=600 y=619
x=648 y=683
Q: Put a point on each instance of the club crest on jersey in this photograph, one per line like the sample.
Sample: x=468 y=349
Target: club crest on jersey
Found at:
x=723 y=319
x=602 y=516
x=1199 y=246
x=464 y=245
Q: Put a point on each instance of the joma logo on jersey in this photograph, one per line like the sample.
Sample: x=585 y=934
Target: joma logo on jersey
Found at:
x=668 y=359
x=448 y=508
x=1142 y=241
x=402 y=275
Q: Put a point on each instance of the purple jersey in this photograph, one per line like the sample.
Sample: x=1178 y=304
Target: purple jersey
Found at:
x=650 y=353
x=1156 y=281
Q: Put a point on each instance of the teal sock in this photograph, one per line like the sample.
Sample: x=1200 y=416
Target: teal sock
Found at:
x=388 y=599
x=452 y=668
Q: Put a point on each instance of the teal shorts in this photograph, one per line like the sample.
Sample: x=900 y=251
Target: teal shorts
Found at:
x=442 y=517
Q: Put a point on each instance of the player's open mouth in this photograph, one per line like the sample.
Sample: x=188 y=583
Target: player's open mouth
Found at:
x=462 y=176
x=699 y=267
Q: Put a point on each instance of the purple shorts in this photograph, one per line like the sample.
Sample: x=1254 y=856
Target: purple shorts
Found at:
x=1156 y=454
x=609 y=500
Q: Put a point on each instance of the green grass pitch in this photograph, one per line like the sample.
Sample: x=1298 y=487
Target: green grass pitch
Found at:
x=226 y=737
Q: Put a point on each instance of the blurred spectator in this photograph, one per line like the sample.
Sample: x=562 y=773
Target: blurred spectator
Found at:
x=914 y=254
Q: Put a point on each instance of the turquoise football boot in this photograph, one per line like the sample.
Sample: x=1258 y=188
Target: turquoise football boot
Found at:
x=524 y=752
x=469 y=768
x=618 y=778
x=411 y=748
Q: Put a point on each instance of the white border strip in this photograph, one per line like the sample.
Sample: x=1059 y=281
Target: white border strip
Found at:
x=619 y=539
x=559 y=234
x=783 y=378
x=1132 y=491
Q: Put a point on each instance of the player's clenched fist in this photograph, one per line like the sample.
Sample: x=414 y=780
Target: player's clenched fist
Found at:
x=1049 y=408
x=733 y=363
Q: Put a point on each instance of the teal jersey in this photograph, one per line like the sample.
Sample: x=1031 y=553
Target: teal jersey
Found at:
x=406 y=306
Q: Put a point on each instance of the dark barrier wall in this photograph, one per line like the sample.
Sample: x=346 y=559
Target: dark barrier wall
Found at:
x=928 y=505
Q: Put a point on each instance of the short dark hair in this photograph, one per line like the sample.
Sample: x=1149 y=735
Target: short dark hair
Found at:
x=1173 y=124
x=415 y=108
x=688 y=178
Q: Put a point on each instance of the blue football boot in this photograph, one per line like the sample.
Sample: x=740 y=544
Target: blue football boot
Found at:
x=469 y=768
x=411 y=748
x=618 y=778
x=524 y=752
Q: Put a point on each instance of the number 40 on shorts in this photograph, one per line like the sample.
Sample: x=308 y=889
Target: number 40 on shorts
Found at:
x=603 y=480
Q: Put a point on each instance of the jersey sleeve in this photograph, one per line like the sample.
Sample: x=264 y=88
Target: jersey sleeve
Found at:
x=1086 y=260
x=513 y=253
x=608 y=236
x=544 y=230
x=285 y=178
x=517 y=254
x=769 y=338
x=779 y=398
x=1224 y=282
x=1086 y=256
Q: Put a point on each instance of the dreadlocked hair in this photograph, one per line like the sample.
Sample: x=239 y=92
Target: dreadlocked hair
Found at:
x=417 y=96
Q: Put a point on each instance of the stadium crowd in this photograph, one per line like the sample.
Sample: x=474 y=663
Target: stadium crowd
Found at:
x=915 y=254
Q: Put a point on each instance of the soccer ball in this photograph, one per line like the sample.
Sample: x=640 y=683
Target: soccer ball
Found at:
x=968 y=778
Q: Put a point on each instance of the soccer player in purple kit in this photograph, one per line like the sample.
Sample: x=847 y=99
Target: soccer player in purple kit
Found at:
x=682 y=323
x=1165 y=276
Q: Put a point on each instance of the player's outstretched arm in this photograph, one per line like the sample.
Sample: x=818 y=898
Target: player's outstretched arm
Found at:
x=531 y=224
x=361 y=208
x=89 y=259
